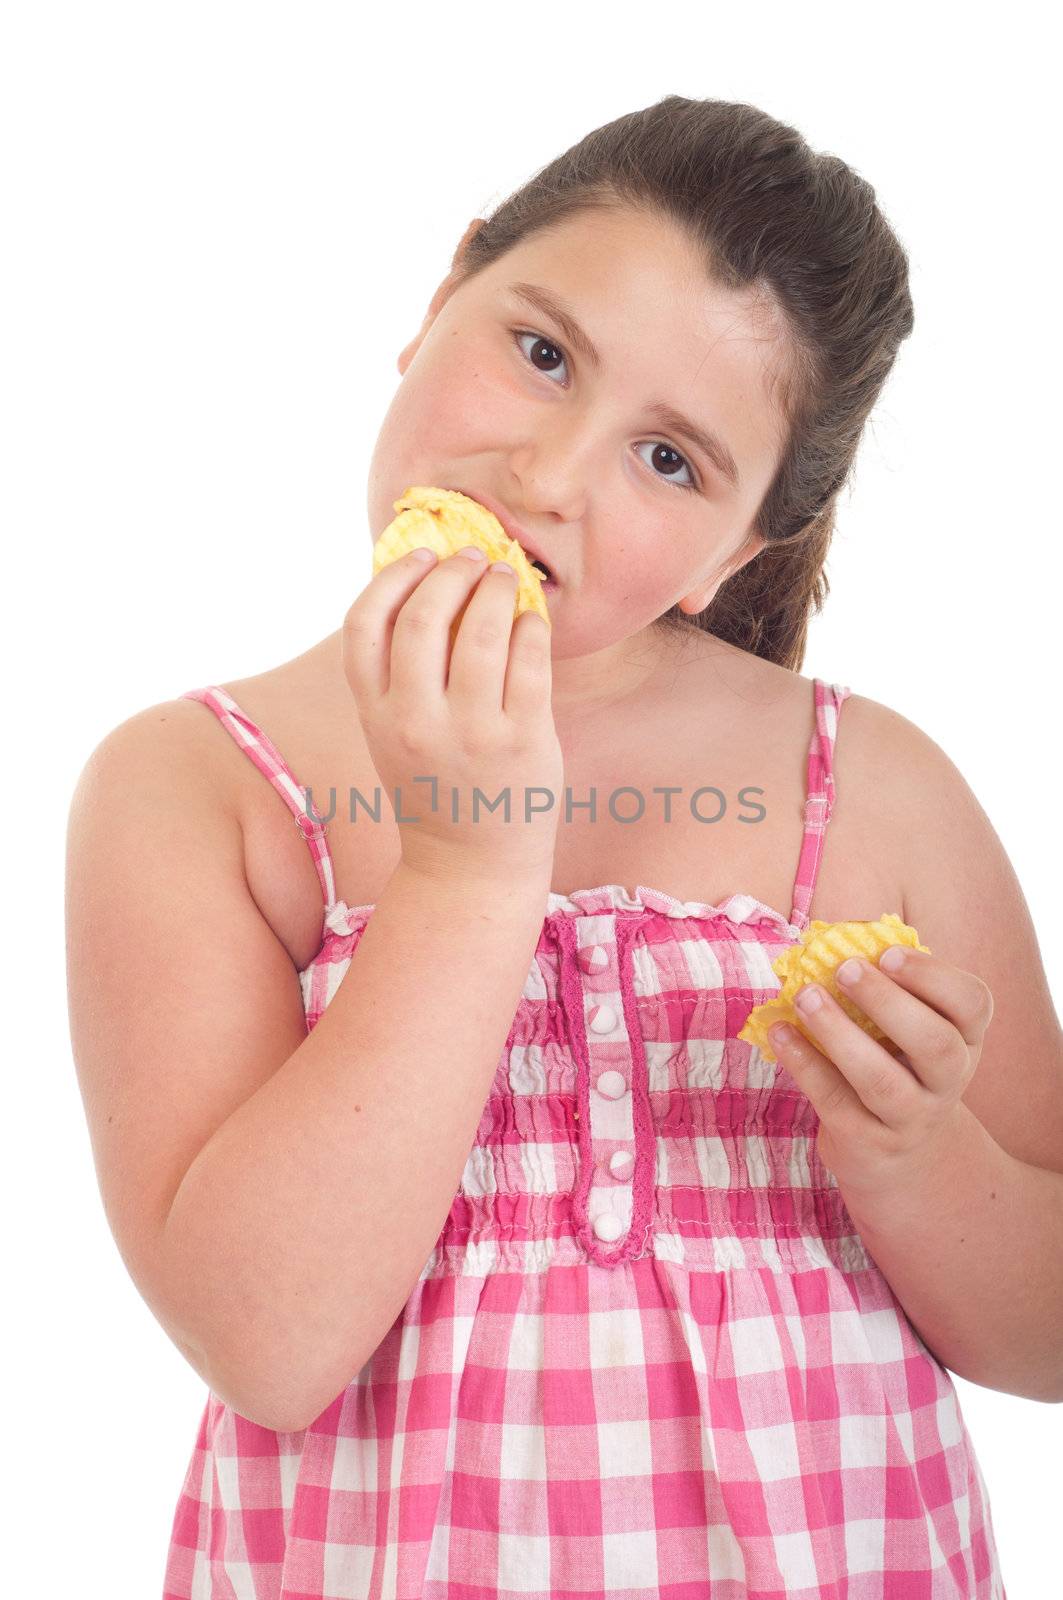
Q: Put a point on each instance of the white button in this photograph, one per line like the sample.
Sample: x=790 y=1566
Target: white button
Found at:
x=592 y=958
x=621 y=1163
x=602 y=1019
x=607 y=1226
x=611 y=1084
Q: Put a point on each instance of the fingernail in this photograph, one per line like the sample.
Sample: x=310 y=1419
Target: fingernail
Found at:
x=473 y=552
x=850 y=971
x=502 y=566
x=809 y=999
x=422 y=553
x=893 y=958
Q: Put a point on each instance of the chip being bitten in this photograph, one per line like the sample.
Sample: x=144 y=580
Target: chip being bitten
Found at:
x=445 y=520
x=821 y=951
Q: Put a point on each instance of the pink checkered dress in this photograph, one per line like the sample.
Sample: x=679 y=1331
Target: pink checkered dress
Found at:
x=649 y=1357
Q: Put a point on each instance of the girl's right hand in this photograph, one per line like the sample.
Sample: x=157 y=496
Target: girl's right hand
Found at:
x=486 y=724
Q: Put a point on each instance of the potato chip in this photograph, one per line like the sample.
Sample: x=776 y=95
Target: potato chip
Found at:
x=822 y=949
x=445 y=520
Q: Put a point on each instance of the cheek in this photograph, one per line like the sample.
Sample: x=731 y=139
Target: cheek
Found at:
x=638 y=575
x=490 y=383
x=643 y=563
x=438 y=417
x=468 y=400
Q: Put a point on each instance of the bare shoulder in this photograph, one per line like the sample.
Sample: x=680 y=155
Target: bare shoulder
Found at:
x=888 y=724
x=873 y=742
x=894 y=767
x=172 y=747
x=878 y=756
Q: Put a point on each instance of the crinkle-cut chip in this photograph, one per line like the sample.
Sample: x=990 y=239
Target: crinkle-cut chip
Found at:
x=815 y=959
x=445 y=520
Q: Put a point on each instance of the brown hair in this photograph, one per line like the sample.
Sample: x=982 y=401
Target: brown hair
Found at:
x=801 y=227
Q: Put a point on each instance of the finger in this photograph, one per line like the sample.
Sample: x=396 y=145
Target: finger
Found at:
x=933 y=1012
x=367 y=627
x=832 y=1096
x=890 y=1091
x=420 y=643
x=478 y=660
x=962 y=997
x=528 y=688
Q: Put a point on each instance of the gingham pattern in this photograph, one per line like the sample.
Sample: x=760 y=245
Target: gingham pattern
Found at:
x=649 y=1357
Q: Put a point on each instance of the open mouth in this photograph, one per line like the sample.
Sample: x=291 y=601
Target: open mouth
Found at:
x=549 y=580
x=550 y=583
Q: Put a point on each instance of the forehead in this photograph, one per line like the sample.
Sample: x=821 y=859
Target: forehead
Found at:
x=641 y=288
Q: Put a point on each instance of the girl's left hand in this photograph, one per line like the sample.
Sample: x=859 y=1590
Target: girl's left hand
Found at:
x=883 y=1119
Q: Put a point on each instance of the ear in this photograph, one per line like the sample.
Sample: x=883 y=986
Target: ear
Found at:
x=440 y=298
x=699 y=598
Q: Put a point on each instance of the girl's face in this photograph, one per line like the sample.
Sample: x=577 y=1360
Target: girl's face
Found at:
x=630 y=513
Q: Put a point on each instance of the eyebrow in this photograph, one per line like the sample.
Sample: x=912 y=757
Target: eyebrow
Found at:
x=667 y=415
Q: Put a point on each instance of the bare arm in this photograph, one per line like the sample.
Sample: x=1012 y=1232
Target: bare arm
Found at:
x=301 y=1227
x=275 y=1195
x=971 y=1250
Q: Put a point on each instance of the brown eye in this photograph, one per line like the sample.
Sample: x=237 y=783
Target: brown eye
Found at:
x=539 y=344
x=668 y=450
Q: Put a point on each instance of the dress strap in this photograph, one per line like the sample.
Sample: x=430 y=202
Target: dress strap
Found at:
x=268 y=759
x=819 y=799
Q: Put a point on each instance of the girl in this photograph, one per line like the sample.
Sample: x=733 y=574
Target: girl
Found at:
x=511 y=1269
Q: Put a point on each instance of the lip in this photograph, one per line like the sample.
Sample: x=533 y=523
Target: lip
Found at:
x=514 y=530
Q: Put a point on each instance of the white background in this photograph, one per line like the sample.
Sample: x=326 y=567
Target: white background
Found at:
x=222 y=224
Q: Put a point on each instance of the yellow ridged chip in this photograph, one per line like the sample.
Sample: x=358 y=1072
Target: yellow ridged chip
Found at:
x=821 y=951
x=444 y=520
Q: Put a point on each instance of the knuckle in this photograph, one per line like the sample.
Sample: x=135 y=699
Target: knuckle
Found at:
x=413 y=735
x=985 y=1002
x=417 y=618
x=482 y=632
x=889 y=1143
x=884 y=1085
x=510 y=739
x=532 y=639
x=535 y=647
x=942 y=1045
x=476 y=738
x=835 y=1099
